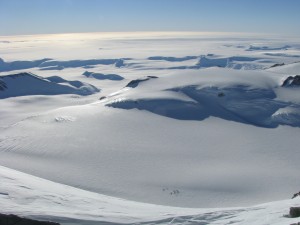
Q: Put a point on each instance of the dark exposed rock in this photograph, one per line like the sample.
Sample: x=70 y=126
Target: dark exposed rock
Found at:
x=16 y=220
x=296 y=194
x=152 y=77
x=294 y=212
x=291 y=81
x=135 y=83
x=277 y=64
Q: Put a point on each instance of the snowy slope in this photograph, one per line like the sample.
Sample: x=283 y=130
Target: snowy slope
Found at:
x=37 y=198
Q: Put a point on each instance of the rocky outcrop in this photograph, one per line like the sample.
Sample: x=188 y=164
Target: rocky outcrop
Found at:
x=291 y=81
x=16 y=220
x=277 y=64
x=296 y=195
x=295 y=212
x=135 y=83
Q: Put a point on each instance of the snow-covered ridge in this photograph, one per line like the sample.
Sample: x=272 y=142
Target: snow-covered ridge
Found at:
x=22 y=84
x=236 y=101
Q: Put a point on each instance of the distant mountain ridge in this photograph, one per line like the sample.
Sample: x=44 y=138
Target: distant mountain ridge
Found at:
x=50 y=64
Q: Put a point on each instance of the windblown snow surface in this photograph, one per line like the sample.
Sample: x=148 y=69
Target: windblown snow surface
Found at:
x=149 y=128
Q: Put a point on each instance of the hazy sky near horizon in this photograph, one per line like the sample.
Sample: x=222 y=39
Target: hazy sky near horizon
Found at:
x=279 y=17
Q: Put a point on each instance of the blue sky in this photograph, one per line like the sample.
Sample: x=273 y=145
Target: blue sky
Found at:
x=280 y=17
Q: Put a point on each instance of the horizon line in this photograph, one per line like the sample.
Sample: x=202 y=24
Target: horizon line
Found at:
x=142 y=33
